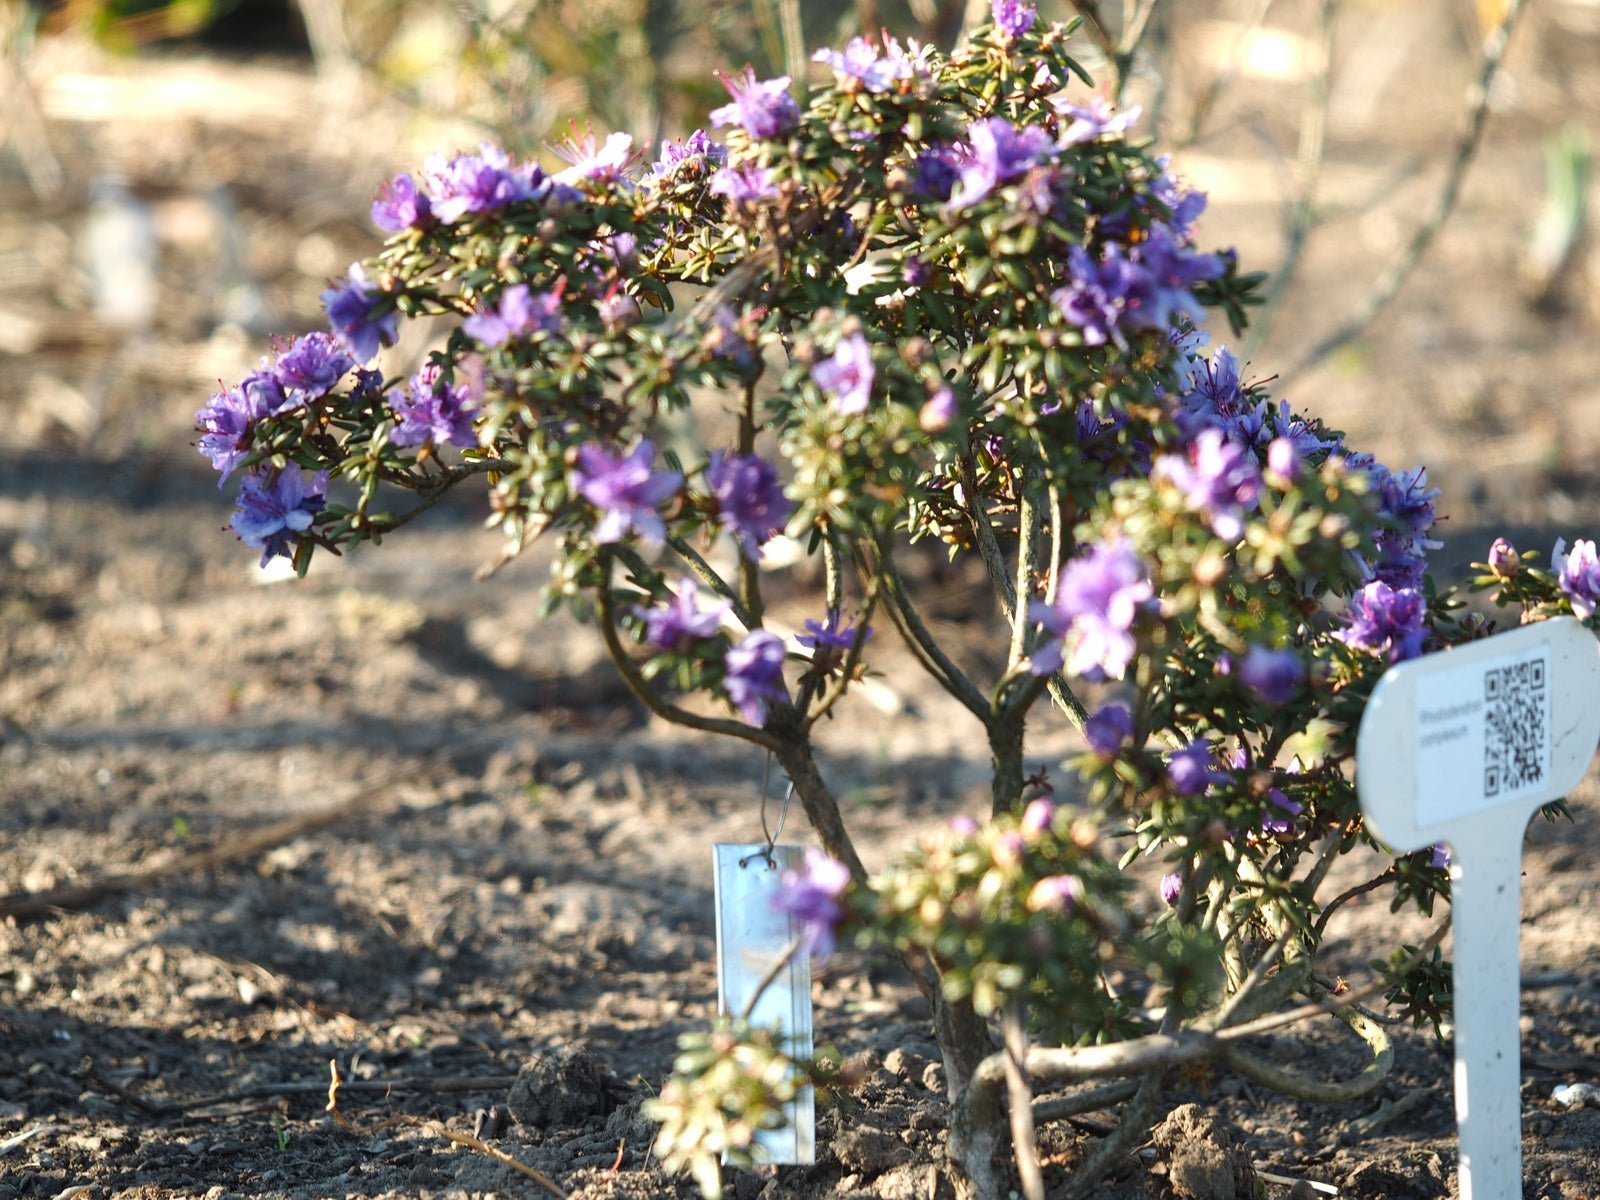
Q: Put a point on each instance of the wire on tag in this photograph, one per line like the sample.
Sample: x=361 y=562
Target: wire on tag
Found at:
x=773 y=835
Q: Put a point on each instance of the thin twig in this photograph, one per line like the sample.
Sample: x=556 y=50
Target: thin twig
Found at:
x=648 y=696
x=1024 y=1145
x=1389 y=284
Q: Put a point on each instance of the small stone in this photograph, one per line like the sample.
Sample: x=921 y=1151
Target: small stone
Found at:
x=933 y=1077
x=1202 y=1158
x=560 y=1090
x=904 y=1064
x=871 y=1151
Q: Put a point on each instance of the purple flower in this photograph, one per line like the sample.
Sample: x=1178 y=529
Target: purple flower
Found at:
x=762 y=108
x=860 y=62
x=1172 y=888
x=674 y=626
x=274 y=510
x=399 y=205
x=598 y=163
x=1273 y=675
x=996 y=152
x=361 y=316
x=1504 y=561
x=829 y=640
x=474 y=184
x=518 y=313
x=1218 y=479
x=811 y=896
x=755 y=675
x=227 y=421
x=311 y=368
x=697 y=153
x=750 y=503
x=939 y=411
x=1388 y=621
x=1410 y=506
x=1108 y=728
x=748 y=183
x=847 y=374
x=1103 y=297
x=1274 y=823
x=963 y=826
x=1012 y=17
x=1037 y=818
x=1579 y=576
x=1174 y=269
x=1054 y=894
x=1094 y=120
x=1439 y=860
x=1215 y=399
x=625 y=490
x=428 y=410
x=1190 y=770
x=935 y=173
x=1283 y=460
x=1097 y=600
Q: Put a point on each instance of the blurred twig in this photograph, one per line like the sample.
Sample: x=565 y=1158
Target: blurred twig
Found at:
x=1301 y=216
x=22 y=126
x=1471 y=137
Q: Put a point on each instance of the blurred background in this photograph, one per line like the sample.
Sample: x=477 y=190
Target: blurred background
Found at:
x=179 y=180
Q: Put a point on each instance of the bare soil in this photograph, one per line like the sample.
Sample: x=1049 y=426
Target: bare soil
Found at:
x=500 y=856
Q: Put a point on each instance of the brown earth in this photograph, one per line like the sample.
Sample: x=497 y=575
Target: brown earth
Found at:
x=519 y=862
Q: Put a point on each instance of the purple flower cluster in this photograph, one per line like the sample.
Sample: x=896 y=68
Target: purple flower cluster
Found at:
x=762 y=108
x=995 y=152
x=862 y=63
x=274 y=510
x=360 y=315
x=473 y=185
x=399 y=206
x=746 y=184
x=811 y=896
x=749 y=499
x=696 y=153
x=625 y=490
x=1098 y=598
x=1387 y=621
x=753 y=675
x=1012 y=17
x=429 y=410
x=604 y=162
x=1148 y=287
x=517 y=313
x=1218 y=478
x=1410 y=506
x=847 y=374
x=304 y=371
x=677 y=625
x=1578 y=575
x=1094 y=120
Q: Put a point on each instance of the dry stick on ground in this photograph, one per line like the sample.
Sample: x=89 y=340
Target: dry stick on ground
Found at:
x=234 y=848
x=336 y=1085
x=274 y=1091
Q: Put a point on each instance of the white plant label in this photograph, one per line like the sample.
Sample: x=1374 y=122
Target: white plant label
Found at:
x=1483 y=735
x=752 y=935
x=1463 y=747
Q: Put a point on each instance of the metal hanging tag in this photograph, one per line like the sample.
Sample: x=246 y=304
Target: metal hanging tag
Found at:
x=752 y=935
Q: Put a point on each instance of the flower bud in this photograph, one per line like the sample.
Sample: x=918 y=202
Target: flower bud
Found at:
x=1504 y=561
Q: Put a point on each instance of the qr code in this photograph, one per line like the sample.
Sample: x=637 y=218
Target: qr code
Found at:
x=1516 y=727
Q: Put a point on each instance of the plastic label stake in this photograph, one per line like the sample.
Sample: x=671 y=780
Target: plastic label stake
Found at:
x=752 y=935
x=1462 y=747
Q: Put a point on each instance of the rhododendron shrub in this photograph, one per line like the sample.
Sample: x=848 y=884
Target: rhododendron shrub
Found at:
x=946 y=304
